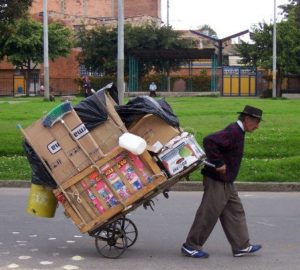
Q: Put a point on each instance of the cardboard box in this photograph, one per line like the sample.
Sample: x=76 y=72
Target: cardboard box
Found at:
x=155 y=131
x=55 y=146
x=107 y=134
x=183 y=153
x=110 y=106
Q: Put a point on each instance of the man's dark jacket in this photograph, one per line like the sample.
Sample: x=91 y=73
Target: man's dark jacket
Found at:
x=224 y=147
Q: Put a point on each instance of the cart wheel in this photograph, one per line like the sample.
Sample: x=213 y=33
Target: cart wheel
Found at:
x=111 y=242
x=130 y=230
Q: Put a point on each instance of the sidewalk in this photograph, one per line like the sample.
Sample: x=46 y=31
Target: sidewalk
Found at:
x=197 y=186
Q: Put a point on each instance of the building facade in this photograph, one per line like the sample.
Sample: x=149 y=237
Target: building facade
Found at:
x=65 y=70
x=99 y=9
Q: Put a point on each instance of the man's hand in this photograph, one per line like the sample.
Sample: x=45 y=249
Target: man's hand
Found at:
x=222 y=169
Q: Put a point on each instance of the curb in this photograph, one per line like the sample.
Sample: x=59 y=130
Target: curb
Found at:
x=195 y=186
x=15 y=183
x=243 y=186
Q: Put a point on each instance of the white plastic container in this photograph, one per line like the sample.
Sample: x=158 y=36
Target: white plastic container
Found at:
x=133 y=143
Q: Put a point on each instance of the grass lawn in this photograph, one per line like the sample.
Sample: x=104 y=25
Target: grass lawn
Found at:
x=272 y=153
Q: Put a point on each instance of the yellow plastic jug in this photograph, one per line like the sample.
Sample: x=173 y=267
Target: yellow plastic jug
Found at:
x=41 y=201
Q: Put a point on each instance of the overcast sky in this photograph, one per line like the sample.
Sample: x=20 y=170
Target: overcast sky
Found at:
x=225 y=17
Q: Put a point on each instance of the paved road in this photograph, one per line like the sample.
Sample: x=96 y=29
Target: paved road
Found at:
x=29 y=242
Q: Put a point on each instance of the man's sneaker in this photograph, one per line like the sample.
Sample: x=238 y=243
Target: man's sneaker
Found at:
x=248 y=250
x=195 y=253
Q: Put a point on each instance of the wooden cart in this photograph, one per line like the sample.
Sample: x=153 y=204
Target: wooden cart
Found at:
x=112 y=230
x=120 y=233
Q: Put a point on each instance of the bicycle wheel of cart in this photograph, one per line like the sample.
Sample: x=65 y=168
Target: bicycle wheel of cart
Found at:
x=130 y=230
x=111 y=241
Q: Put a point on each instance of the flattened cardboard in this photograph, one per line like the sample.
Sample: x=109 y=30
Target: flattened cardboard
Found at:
x=107 y=135
x=110 y=106
x=57 y=148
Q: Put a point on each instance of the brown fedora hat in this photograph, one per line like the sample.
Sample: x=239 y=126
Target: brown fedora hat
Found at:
x=252 y=111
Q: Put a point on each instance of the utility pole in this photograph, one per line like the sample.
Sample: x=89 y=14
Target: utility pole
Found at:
x=45 y=43
x=168 y=72
x=120 y=63
x=168 y=17
x=274 y=92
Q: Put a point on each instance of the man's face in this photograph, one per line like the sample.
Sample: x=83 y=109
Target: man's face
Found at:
x=251 y=123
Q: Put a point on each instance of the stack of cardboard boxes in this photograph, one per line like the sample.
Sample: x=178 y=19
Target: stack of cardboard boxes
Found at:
x=96 y=178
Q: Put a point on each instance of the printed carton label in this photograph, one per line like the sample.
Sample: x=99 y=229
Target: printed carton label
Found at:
x=78 y=132
x=53 y=147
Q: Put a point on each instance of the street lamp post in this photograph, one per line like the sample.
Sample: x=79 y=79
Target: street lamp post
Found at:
x=168 y=14
x=168 y=24
x=120 y=63
x=45 y=43
x=274 y=92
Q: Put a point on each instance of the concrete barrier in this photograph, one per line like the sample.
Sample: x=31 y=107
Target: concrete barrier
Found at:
x=291 y=95
x=173 y=94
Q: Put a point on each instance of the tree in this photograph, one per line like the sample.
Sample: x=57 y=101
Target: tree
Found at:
x=10 y=10
x=99 y=47
x=292 y=9
x=24 y=46
x=149 y=37
x=207 y=30
x=259 y=53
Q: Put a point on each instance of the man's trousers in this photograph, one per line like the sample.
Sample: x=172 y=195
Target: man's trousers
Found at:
x=220 y=201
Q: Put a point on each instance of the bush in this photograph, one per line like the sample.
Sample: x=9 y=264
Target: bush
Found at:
x=267 y=93
x=201 y=83
x=97 y=82
x=193 y=83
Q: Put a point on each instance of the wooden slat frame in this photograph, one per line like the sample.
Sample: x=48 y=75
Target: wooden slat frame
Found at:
x=89 y=221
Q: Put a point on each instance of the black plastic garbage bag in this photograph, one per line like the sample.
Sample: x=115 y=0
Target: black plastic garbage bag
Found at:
x=92 y=110
x=143 y=105
x=40 y=175
x=166 y=107
x=113 y=92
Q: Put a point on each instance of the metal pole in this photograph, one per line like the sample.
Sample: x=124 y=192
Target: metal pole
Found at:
x=168 y=73
x=45 y=42
x=274 y=94
x=168 y=18
x=120 y=63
